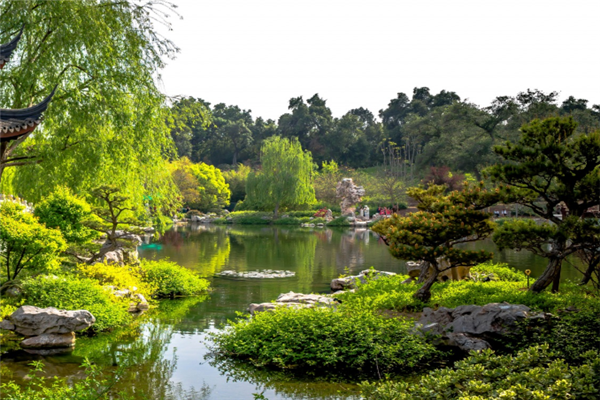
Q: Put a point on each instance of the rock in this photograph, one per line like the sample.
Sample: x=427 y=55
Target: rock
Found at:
x=350 y=281
x=264 y=274
x=49 y=340
x=329 y=216
x=254 y=307
x=132 y=308
x=122 y=293
x=143 y=304
x=292 y=300
x=49 y=352
x=7 y=325
x=14 y=292
x=34 y=321
x=350 y=194
x=196 y=218
x=471 y=327
x=292 y=297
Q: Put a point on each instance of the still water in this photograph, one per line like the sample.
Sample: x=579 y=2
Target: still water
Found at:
x=168 y=354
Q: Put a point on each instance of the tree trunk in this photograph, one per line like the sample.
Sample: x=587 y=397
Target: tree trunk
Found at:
x=424 y=292
x=549 y=276
x=587 y=275
x=275 y=211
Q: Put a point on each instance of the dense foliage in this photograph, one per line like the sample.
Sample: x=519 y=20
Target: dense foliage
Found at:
x=106 y=122
x=551 y=167
x=285 y=179
x=534 y=373
x=69 y=213
x=323 y=340
x=433 y=233
x=170 y=279
x=70 y=292
x=26 y=243
x=202 y=186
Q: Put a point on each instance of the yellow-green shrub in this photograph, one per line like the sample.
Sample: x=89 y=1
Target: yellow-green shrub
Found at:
x=122 y=277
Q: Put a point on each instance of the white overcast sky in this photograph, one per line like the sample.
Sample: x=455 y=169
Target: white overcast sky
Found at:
x=258 y=54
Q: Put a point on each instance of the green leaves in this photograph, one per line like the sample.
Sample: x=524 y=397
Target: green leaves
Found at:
x=26 y=243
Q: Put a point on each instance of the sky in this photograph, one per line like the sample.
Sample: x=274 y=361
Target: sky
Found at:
x=258 y=54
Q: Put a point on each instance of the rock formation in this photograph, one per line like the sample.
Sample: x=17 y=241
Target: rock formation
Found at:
x=473 y=327
x=349 y=282
x=350 y=194
x=292 y=300
x=264 y=274
x=47 y=327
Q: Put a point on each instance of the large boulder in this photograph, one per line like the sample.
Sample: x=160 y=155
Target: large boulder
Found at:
x=34 y=321
x=349 y=282
x=350 y=194
x=49 y=340
x=472 y=327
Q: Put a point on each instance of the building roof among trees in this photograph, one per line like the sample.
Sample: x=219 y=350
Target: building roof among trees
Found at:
x=7 y=49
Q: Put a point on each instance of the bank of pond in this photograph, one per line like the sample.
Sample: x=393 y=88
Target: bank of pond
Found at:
x=365 y=343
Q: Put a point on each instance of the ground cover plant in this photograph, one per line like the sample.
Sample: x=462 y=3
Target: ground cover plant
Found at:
x=325 y=341
x=534 y=374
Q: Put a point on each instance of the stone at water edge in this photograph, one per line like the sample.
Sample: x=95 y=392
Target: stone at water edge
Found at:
x=470 y=327
x=49 y=340
x=349 y=282
x=34 y=321
x=292 y=300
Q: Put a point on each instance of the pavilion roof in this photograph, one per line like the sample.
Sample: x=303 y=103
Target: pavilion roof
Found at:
x=16 y=123
x=7 y=49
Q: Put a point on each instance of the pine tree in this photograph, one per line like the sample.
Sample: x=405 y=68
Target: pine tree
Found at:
x=431 y=235
x=553 y=165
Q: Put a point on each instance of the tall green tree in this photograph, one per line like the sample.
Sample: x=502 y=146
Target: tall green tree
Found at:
x=551 y=166
x=106 y=122
x=285 y=179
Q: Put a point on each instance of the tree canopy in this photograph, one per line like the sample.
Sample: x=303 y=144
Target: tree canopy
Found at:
x=552 y=166
x=106 y=122
x=285 y=179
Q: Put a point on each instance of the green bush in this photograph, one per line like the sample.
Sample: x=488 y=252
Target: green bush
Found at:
x=499 y=271
x=69 y=214
x=339 y=221
x=391 y=294
x=27 y=245
x=533 y=373
x=74 y=293
x=170 y=279
x=251 y=217
x=322 y=340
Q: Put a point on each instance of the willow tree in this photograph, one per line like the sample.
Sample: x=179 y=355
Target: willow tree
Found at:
x=551 y=166
x=106 y=122
x=285 y=179
x=432 y=234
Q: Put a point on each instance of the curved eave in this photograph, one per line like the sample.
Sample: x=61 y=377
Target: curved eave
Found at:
x=15 y=134
x=33 y=112
x=7 y=49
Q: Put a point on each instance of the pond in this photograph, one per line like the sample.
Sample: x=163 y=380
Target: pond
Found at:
x=167 y=352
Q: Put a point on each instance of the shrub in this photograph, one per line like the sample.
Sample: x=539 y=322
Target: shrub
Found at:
x=122 y=277
x=339 y=221
x=170 y=279
x=75 y=293
x=390 y=293
x=26 y=244
x=322 y=340
x=531 y=374
x=251 y=217
x=69 y=214
x=500 y=271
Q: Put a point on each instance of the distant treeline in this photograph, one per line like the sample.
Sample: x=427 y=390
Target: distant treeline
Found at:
x=429 y=130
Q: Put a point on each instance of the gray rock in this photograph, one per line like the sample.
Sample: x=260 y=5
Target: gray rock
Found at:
x=7 y=325
x=34 y=321
x=349 y=282
x=143 y=304
x=292 y=297
x=264 y=274
x=49 y=340
x=471 y=327
x=259 y=307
